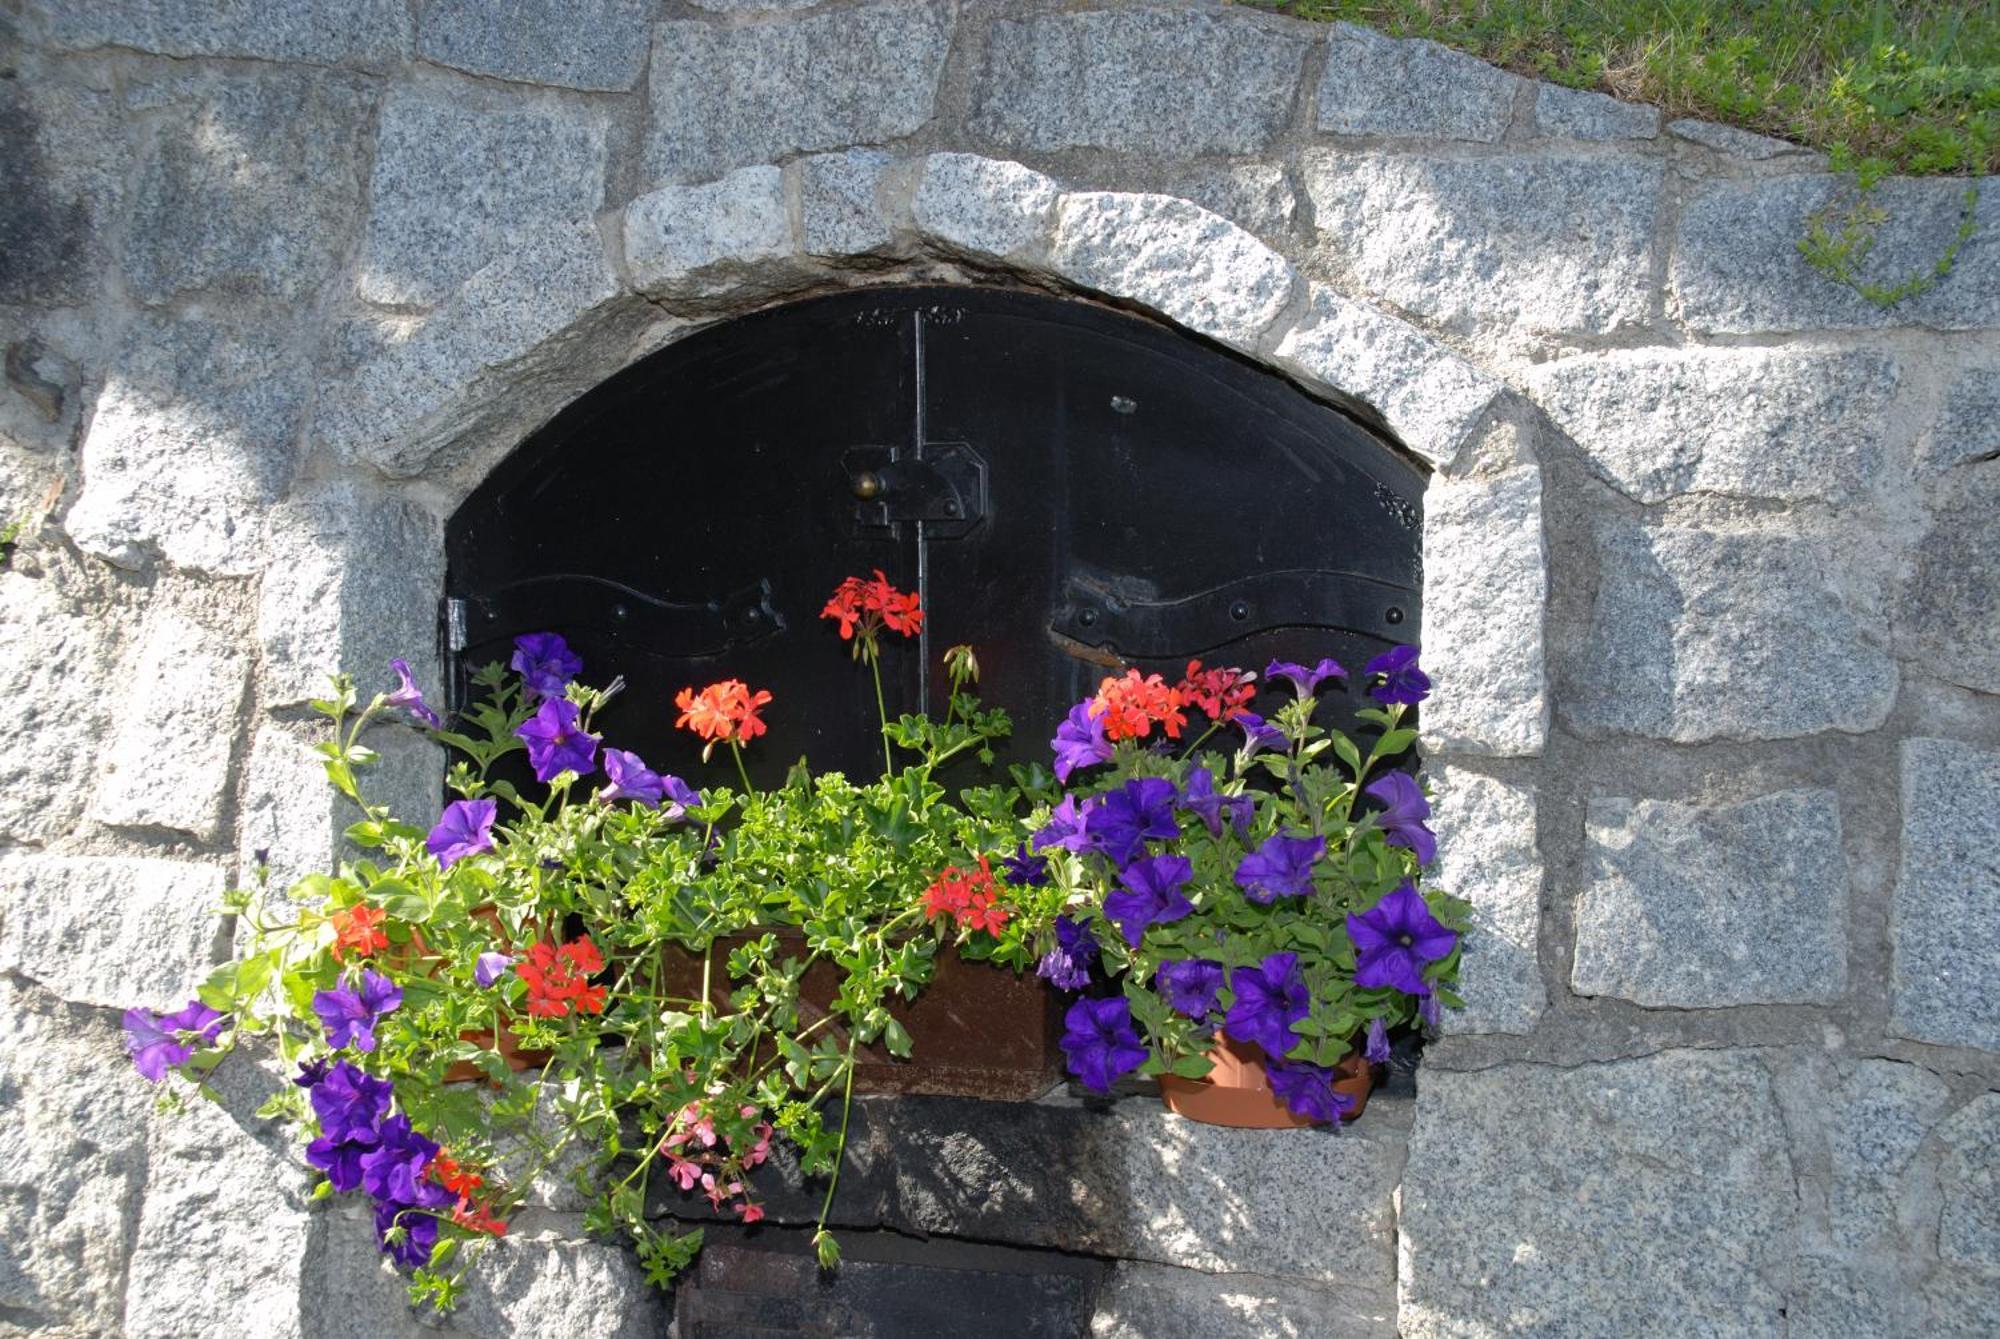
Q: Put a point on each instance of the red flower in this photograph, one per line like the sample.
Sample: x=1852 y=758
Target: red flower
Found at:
x=357 y=929
x=872 y=606
x=555 y=978
x=1223 y=693
x=1132 y=706
x=969 y=896
x=460 y=1182
x=726 y=710
x=477 y=1217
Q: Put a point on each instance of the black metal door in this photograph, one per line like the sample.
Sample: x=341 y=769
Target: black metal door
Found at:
x=1072 y=489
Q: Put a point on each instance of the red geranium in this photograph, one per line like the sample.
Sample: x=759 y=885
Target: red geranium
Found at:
x=1130 y=707
x=726 y=710
x=871 y=606
x=357 y=930
x=1223 y=692
x=555 y=978
x=969 y=896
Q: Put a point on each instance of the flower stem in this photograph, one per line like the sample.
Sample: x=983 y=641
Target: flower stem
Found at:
x=881 y=713
x=846 y=1110
x=736 y=752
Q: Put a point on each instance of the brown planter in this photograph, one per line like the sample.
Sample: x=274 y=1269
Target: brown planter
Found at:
x=977 y=1030
x=466 y=1071
x=1237 y=1092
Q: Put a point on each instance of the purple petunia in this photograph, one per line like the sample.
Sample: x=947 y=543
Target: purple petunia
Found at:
x=1151 y=895
x=631 y=779
x=680 y=797
x=1395 y=939
x=395 y=1166
x=414 y=1225
x=1270 y=997
x=489 y=968
x=350 y=1013
x=1025 y=869
x=545 y=663
x=465 y=828
x=1080 y=741
x=556 y=741
x=1401 y=681
x=1190 y=987
x=158 y=1043
x=1404 y=810
x=312 y=1073
x=1377 y=1052
x=1065 y=826
x=409 y=697
x=1281 y=867
x=1100 y=1042
x=1304 y=680
x=1260 y=734
x=1067 y=965
x=1124 y=819
x=1205 y=802
x=1307 y=1090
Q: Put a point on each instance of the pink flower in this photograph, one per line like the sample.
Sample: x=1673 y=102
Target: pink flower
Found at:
x=762 y=1149
x=752 y=1213
x=683 y=1172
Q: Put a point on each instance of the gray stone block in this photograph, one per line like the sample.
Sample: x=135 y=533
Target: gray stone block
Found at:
x=1948 y=621
x=860 y=76
x=1565 y=1201
x=588 y=44
x=1737 y=268
x=1376 y=85
x=63 y=159
x=1699 y=634
x=183 y=692
x=1969 y=1176
x=330 y=32
x=1141 y=1301
x=985 y=206
x=686 y=241
x=111 y=930
x=1192 y=266
x=1837 y=1299
x=1944 y=924
x=291 y=812
x=1170 y=81
x=252 y=187
x=1575 y=113
x=1968 y=429
x=752 y=6
x=1878 y=1116
x=1256 y=196
x=1780 y=424
x=1961 y=1304
x=1734 y=142
x=838 y=203
x=1429 y=396
x=1554 y=242
x=1701 y=907
x=1488 y=855
x=195 y=434
x=1482 y=634
x=460 y=180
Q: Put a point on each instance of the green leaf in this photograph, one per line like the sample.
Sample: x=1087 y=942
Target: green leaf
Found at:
x=897 y=1039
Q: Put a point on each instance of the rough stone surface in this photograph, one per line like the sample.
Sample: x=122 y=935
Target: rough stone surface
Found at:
x=62 y=172
x=168 y=764
x=1488 y=855
x=1257 y=196
x=985 y=206
x=1702 y=907
x=292 y=814
x=194 y=436
x=1192 y=266
x=72 y=1161
x=1969 y=427
x=1737 y=268
x=1161 y=80
x=1945 y=922
x=597 y=44
x=1565 y=1201
x=692 y=239
x=837 y=197
x=859 y=76
x=1732 y=141
x=252 y=187
x=110 y=930
x=1154 y=1302
x=1837 y=1299
x=1376 y=85
x=1763 y=423
x=1482 y=634
x=1948 y=621
x=459 y=182
x=1879 y=1117
x=1429 y=397
x=1698 y=634
x=1556 y=242
x=367 y=32
x=1969 y=1230
x=1963 y=1304
x=1574 y=113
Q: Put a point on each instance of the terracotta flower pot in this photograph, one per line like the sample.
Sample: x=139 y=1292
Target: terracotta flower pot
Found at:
x=1237 y=1092
x=466 y=1071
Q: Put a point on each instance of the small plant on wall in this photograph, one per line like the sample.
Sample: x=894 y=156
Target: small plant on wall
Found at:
x=648 y=985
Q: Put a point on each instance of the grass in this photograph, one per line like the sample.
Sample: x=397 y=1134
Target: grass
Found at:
x=1910 y=88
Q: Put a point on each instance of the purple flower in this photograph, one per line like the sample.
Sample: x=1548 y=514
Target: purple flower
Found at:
x=1067 y=965
x=1124 y=818
x=394 y=1168
x=680 y=797
x=1428 y=1010
x=1404 y=810
x=1065 y=826
x=1303 y=679
x=1080 y=741
x=1190 y=987
x=1394 y=939
x=1378 y=1042
x=409 y=698
x=1100 y=1043
x=1024 y=869
x=1281 y=867
x=1402 y=681
x=312 y=1073
x=490 y=968
x=350 y=1104
x=156 y=1043
x=545 y=663
x=1151 y=895
x=465 y=828
x=340 y=1159
x=415 y=1223
x=556 y=741
x=1209 y=805
x=1260 y=734
x=1270 y=997
x=1306 y=1090
x=631 y=779
x=350 y=1014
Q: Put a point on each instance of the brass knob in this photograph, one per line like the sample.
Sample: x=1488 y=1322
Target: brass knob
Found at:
x=867 y=485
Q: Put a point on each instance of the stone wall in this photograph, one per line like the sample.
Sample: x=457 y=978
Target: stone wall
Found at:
x=1713 y=597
